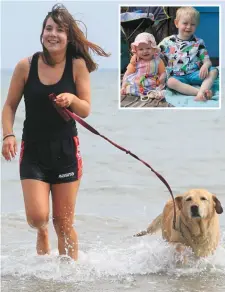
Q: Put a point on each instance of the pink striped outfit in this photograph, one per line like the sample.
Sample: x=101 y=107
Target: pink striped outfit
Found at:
x=146 y=75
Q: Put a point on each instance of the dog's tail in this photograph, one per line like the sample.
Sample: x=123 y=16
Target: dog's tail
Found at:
x=153 y=227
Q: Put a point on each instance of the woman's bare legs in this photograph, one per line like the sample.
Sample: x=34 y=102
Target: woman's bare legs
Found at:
x=181 y=87
x=36 y=199
x=63 y=205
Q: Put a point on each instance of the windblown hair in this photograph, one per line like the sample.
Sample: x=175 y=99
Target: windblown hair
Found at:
x=188 y=11
x=78 y=45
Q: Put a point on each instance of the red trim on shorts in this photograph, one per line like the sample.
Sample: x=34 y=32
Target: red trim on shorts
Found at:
x=21 y=151
x=78 y=156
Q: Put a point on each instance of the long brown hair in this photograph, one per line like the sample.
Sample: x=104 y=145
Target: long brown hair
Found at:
x=78 y=45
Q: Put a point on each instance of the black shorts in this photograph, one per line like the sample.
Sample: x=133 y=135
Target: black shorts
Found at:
x=54 y=162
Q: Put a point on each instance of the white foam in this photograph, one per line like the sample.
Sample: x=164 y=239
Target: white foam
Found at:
x=101 y=262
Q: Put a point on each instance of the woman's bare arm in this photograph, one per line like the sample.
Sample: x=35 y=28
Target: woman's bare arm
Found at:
x=9 y=146
x=14 y=96
x=82 y=104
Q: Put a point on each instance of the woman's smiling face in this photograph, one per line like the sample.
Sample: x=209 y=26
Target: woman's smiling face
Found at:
x=54 y=37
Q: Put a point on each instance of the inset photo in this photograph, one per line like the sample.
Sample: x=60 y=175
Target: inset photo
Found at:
x=170 y=57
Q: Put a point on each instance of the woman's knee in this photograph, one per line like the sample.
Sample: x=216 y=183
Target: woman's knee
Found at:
x=38 y=221
x=63 y=225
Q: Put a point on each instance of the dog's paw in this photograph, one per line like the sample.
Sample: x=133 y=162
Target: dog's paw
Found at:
x=140 y=233
x=181 y=257
x=180 y=247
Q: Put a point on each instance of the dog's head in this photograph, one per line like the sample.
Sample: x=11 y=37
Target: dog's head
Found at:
x=198 y=203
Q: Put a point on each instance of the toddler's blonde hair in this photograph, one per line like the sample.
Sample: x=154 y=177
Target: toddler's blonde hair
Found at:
x=188 y=11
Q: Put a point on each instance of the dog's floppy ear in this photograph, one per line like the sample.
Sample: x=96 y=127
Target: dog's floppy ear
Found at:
x=218 y=207
x=178 y=201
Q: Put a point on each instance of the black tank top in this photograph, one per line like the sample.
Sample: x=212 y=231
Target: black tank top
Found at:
x=42 y=121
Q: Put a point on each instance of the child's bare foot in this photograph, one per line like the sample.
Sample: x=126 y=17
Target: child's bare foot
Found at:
x=42 y=242
x=208 y=94
x=204 y=95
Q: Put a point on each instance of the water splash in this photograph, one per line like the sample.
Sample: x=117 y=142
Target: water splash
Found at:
x=101 y=262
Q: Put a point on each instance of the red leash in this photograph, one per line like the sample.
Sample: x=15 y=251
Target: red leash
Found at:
x=68 y=115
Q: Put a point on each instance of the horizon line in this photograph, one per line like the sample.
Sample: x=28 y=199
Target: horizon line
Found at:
x=98 y=69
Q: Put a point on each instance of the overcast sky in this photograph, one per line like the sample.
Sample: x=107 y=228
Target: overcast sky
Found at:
x=22 y=21
x=21 y=24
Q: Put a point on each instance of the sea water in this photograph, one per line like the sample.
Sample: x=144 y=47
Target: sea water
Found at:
x=118 y=197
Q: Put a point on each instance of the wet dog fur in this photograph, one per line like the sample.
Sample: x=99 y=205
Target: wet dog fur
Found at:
x=197 y=222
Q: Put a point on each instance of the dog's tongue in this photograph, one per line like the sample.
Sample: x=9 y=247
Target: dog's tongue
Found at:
x=62 y=111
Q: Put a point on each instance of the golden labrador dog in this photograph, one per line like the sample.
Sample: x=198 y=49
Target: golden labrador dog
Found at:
x=197 y=222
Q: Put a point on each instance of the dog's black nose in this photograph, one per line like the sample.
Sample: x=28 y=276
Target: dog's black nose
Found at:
x=195 y=211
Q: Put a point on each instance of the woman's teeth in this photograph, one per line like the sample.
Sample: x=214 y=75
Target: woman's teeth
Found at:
x=53 y=42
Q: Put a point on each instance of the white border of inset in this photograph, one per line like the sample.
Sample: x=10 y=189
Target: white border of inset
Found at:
x=220 y=59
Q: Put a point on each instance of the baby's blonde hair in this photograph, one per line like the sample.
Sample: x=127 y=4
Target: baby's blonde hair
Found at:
x=188 y=11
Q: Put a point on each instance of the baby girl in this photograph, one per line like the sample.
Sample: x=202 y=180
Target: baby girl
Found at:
x=145 y=75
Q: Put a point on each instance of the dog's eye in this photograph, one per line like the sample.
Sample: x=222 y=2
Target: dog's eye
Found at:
x=203 y=199
x=189 y=199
